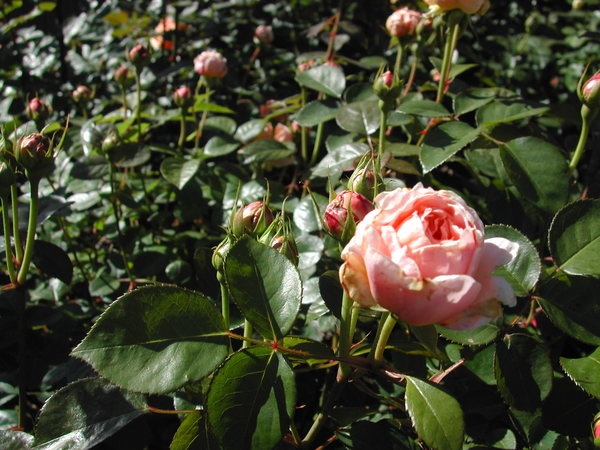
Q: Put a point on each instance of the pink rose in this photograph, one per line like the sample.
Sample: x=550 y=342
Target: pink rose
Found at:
x=210 y=64
x=467 y=6
x=421 y=255
x=403 y=22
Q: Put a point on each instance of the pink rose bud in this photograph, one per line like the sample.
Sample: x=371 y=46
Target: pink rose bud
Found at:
x=590 y=93
x=421 y=255
x=264 y=34
x=38 y=110
x=210 y=64
x=253 y=218
x=34 y=154
x=81 y=94
x=122 y=76
x=403 y=22
x=466 y=6
x=183 y=96
x=339 y=222
x=139 y=56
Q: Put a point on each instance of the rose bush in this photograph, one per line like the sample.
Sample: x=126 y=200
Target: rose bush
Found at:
x=421 y=254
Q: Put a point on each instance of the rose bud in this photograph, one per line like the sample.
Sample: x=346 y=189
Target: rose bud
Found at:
x=338 y=221
x=590 y=92
x=253 y=219
x=123 y=77
x=219 y=254
x=264 y=34
x=596 y=430
x=81 y=94
x=7 y=178
x=38 y=110
x=286 y=245
x=139 y=56
x=210 y=64
x=421 y=254
x=387 y=88
x=364 y=181
x=183 y=97
x=34 y=154
x=403 y=22
x=466 y=6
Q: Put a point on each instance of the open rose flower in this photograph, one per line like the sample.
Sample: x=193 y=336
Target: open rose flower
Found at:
x=421 y=254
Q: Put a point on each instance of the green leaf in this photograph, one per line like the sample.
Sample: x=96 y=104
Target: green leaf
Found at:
x=435 y=414
x=265 y=285
x=249 y=130
x=572 y=305
x=538 y=170
x=359 y=117
x=317 y=112
x=53 y=261
x=574 y=238
x=264 y=150
x=179 y=171
x=15 y=440
x=251 y=400
x=329 y=80
x=339 y=159
x=220 y=146
x=444 y=141
x=427 y=108
x=156 y=339
x=585 y=372
x=472 y=99
x=85 y=413
x=477 y=336
x=305 y=349
x=192 y=434
x=307 y=215
x=523 y=270
x=498 y=112
x=523 y=371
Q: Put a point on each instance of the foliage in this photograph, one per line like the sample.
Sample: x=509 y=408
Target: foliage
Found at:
x=133 y=314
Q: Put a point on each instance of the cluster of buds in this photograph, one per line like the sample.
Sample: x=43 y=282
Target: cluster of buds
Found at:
x=344 y=212
x=403 y=22
x=210 y=64
x=257 y=221
x=263 y=34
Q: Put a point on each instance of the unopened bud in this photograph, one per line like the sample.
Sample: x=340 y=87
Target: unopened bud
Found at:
x=344 y=212
x=253 y=219
x=286 y=245
x=264 y=34
x=123 y=77
x=34 y=153
x=596 y=430
x=139 y=56
x=219 y=254
x=590 y=92
x=82 y=94
x=38 y=110
x=364 y=181
x=7 y=178
x=183 y=97
x=387 y=88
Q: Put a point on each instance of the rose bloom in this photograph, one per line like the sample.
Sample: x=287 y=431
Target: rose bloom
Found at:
x=467 y=6
x=403 y=22
x=165 y=26
x=421 y=255
x=210 y=64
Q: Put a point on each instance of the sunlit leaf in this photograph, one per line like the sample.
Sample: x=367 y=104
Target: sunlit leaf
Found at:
x=584 y=371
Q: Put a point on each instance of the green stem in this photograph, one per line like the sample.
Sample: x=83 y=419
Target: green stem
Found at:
x=345 y=339
x=224 y=301
x=453 y=33
x=248 y=332
x=117 y=213
x=34 y=183
x=304 y=130
x=318 y=139
x=10 y=265
x=138 y=106
x=181 y=140
x=14 y=196
x=380 y=147
x=200 y=128
x=389 y=321
x=587 y=116
x=22 y=356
